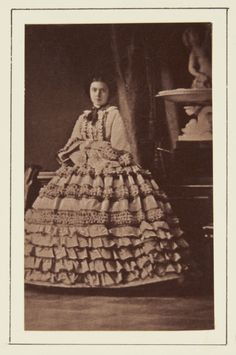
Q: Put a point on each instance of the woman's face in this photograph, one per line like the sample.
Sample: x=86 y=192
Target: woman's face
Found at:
x=99 y=93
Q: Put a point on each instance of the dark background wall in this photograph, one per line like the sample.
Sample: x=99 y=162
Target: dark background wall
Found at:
x=58 y=59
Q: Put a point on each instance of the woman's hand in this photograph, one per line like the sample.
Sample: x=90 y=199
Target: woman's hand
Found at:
x=126 y=159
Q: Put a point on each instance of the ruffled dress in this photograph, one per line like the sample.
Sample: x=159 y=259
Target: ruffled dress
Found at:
x=101 y=221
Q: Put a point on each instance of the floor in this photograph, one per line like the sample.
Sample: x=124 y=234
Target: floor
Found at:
x=167 y=306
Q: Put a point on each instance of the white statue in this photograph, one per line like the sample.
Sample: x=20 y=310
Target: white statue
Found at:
x=199 y=58
x=198 y=39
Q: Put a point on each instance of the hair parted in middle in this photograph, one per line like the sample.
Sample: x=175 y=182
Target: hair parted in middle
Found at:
x=103 y=77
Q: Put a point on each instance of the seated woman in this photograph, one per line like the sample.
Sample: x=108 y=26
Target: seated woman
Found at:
x=102 y=221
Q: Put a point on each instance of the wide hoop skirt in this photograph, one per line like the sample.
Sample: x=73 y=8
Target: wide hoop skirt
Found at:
x=113 y=228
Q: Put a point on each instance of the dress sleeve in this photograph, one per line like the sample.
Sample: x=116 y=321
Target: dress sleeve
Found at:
x=76 y=133
x=119 y=139
x=72 y=143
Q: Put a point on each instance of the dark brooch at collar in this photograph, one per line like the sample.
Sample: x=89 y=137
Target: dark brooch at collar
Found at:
x=93 y=114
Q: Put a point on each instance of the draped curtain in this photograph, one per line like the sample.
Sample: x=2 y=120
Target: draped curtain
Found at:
x=148 y=59
x=135 y=85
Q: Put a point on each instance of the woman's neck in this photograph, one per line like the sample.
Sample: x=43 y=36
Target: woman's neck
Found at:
x=101 y=107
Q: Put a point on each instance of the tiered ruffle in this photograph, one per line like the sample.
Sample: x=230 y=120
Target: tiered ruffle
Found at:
x=111 y=229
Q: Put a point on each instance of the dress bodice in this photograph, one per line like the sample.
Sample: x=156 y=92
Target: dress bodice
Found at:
x=108 y=127
x=93 y=131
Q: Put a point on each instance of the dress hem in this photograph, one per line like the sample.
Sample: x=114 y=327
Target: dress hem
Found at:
x=136 y=283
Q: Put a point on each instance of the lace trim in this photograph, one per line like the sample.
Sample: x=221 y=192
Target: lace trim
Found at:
x=85 y=217
x=133 y=170
x=77 y=191
x=93 y=132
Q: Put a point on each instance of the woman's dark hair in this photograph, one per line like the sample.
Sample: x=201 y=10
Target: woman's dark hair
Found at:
x=103 y=77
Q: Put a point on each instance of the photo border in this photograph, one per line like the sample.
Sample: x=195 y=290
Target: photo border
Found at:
x=10 y=226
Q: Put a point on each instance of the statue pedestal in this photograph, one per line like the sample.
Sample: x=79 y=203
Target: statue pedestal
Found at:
x=199 y=128
x=193 y=162
x=197 y=103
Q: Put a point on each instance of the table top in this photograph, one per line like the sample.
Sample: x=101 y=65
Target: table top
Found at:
x=187 y=96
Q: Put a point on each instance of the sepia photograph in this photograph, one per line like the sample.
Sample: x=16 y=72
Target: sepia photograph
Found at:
x=118 y=177
x=119 y=235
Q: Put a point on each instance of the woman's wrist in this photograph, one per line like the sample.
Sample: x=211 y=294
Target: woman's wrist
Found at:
x=125 y=159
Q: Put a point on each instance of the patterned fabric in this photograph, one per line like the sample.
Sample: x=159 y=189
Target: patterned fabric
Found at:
x=102 y=221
